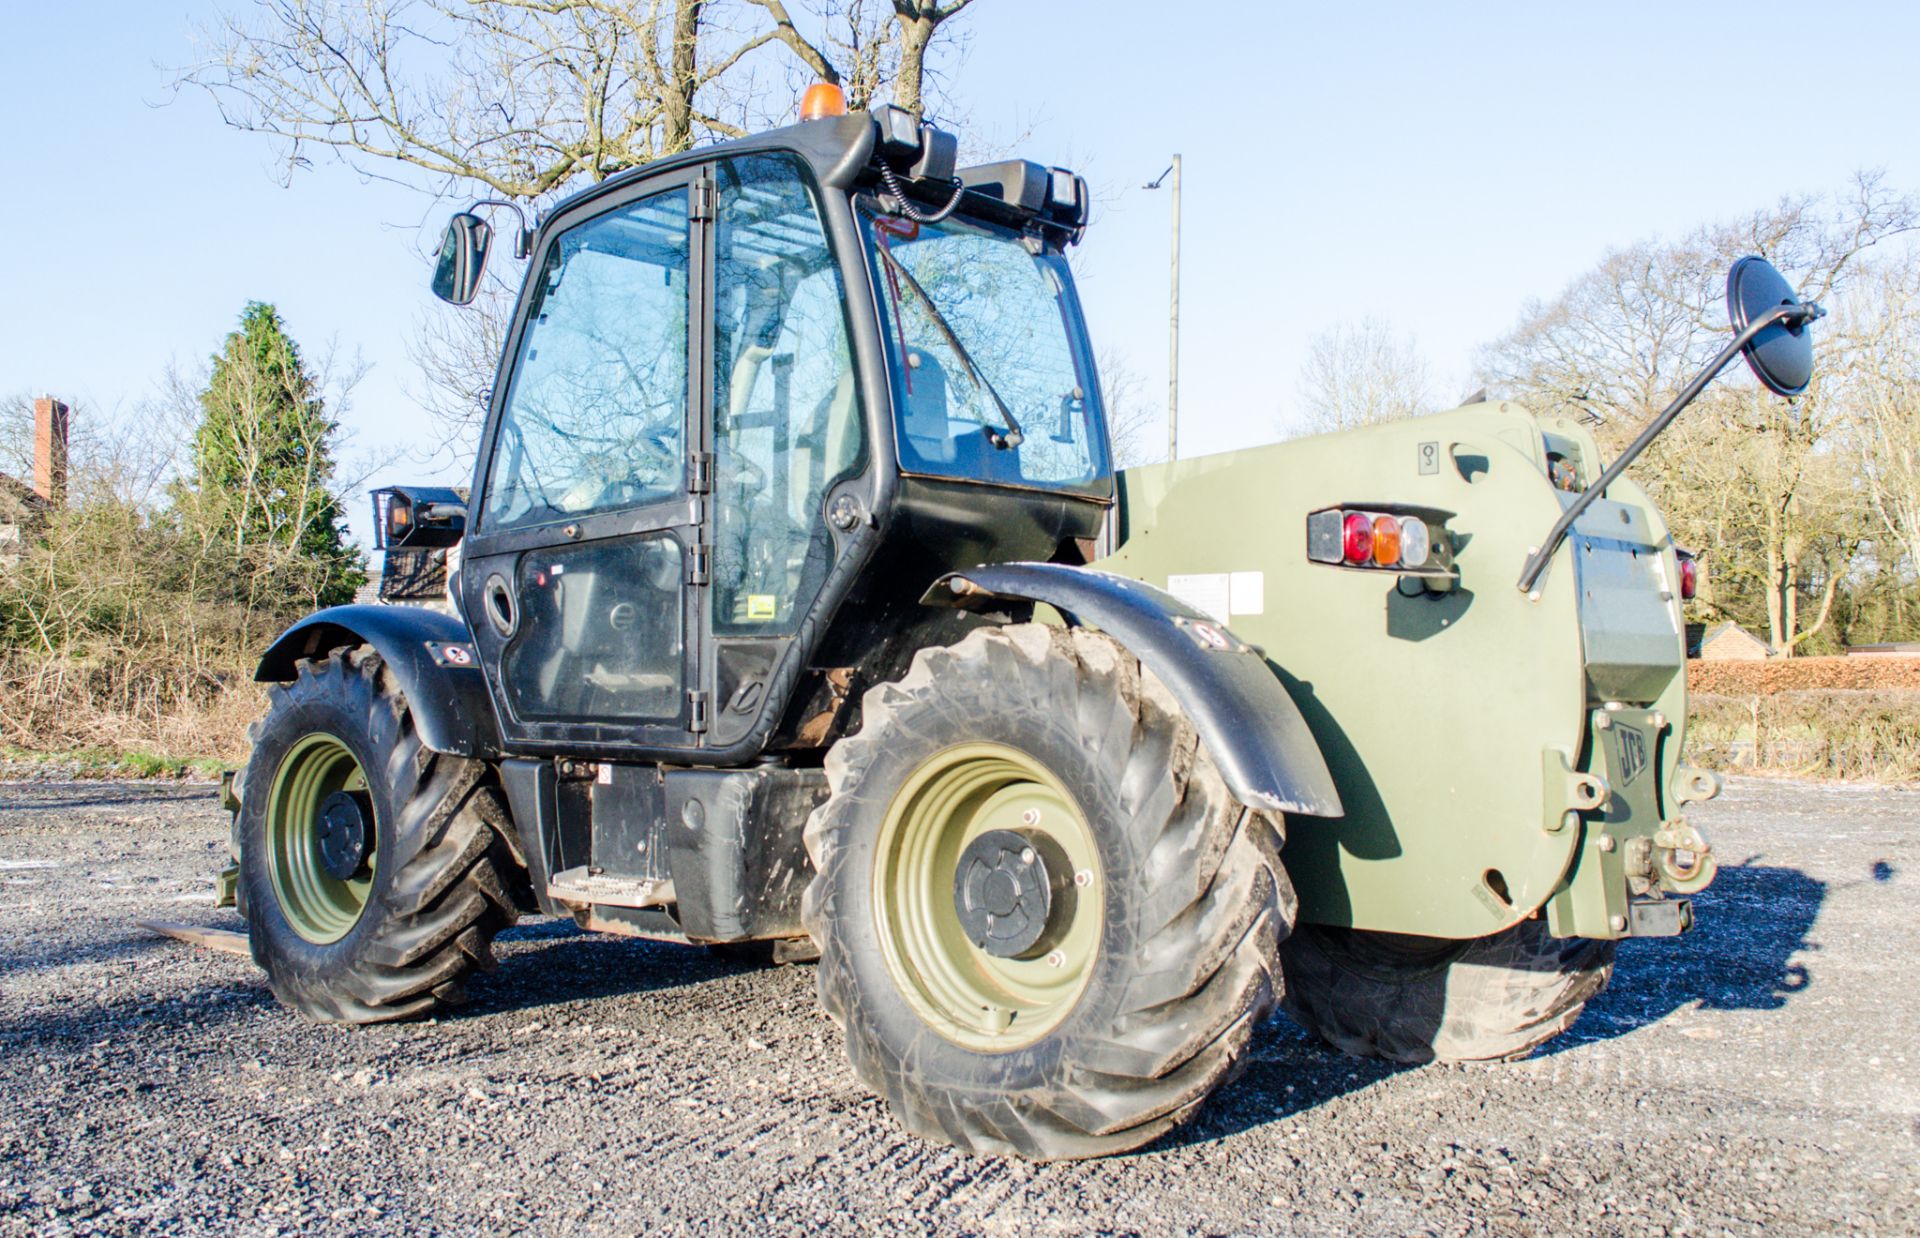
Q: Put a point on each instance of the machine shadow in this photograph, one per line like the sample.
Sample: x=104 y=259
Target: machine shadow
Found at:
x=131 y=949
x=1745 y=954
x=564 y=966
x=1754 y=924
x=553 y=962
x=1289 y=1071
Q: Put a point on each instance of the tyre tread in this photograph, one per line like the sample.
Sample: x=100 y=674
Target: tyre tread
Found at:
x=1218 y=908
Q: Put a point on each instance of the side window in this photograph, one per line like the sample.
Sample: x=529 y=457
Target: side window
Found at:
x=786 y=422
x=596 y=416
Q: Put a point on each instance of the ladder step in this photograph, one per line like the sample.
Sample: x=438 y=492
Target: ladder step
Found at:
x=586 y=887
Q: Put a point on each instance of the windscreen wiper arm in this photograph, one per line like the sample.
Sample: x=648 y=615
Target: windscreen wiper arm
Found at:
x=1014 y=436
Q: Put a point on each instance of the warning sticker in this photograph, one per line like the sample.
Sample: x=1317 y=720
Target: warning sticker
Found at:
x=763 y=606
x=1210 y=593
x=1247 y=593
x=1222 y=595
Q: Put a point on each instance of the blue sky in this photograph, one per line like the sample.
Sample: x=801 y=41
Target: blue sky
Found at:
x=1433 y=164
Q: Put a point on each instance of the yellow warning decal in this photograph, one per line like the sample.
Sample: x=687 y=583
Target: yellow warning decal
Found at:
x=762 y=606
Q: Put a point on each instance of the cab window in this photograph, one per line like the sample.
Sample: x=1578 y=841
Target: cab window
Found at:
x=596 y=416
x=991 y=381
x=786 y=421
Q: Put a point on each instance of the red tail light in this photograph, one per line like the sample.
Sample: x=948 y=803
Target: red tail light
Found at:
x=1357 y=544
x=1689 y=577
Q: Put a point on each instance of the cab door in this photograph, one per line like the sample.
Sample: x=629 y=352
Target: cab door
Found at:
x=786 y=426
x=588 y=532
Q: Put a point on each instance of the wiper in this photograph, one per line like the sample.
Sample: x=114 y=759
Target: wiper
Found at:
x=1014 y=436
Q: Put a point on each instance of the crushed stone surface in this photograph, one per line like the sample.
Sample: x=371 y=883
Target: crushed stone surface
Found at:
x=1762 y=1072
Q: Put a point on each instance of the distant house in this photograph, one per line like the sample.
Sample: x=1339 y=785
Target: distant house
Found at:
x=1725 y=642
x=22 y=512
x=24 y=507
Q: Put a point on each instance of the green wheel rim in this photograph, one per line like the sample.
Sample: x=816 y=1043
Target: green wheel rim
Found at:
x=320 y=907
x=971 y=997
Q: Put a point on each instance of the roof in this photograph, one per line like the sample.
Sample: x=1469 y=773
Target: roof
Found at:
x=21 y=492
x=1719 y=630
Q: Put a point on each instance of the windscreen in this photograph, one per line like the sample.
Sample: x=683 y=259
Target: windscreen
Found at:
x=987 y=356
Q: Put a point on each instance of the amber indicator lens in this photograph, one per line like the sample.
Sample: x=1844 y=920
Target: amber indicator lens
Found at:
x=1386 y=541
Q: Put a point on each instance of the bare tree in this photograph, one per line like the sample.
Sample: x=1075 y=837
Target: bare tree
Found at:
x=1751 y=478
x=524 y=99
x=1882 y=386
x=1135 y=424
x=920 y=20
x=1362 y=374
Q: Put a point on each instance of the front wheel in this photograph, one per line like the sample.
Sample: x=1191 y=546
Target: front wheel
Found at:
x=1046 y=926
x=1422 y=999
x=374 y=872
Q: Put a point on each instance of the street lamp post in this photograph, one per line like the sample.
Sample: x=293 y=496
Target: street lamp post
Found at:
x=1173 y=315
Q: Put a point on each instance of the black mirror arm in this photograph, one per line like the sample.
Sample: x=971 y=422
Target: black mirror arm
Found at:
x=1792 y=315
x=523 y=239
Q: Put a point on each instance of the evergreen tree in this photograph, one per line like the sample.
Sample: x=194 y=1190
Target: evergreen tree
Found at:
x=263 y=472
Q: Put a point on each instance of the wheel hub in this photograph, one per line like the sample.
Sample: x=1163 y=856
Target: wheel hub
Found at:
x=343 y=833
x=1003 y=892
x=982 y=830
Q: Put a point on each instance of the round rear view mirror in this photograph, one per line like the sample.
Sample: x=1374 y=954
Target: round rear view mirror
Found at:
x=1780 y=356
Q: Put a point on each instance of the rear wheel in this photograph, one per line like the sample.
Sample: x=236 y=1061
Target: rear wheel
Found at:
x=1423 y=999
x=1046 y=926
x=374 y=872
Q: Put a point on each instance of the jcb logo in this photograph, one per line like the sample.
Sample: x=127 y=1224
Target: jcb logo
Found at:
x=1631 y=747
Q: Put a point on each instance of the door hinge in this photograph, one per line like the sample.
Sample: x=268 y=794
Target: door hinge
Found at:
x=700 y=202
x=700 y=472
x=699 y=564
x=697 y=706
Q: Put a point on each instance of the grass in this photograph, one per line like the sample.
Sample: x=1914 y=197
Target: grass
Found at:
x=91 y=763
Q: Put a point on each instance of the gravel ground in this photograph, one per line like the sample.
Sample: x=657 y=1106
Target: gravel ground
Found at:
x=1761 y=1072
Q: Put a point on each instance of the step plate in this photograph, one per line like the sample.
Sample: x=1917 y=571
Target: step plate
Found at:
x=584 y=887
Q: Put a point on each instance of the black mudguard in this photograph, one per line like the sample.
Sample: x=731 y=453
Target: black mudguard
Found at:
x=1251 y=727
x=429 y=652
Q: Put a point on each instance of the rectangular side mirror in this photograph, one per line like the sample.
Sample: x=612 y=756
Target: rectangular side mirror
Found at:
x=463 y=258
x=418 y=516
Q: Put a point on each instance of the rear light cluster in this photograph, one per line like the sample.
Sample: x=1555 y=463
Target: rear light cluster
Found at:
x=1689 y=576
x=1369 y=539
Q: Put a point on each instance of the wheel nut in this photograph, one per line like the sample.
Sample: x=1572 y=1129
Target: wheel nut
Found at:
x=1030 y=817
x=1026 y=855
x=1083 y=878
x=1057 y=959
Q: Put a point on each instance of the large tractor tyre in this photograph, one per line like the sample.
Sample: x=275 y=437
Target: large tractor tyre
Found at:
x=375 y=872
x=1420 y=999
x=1046 y=926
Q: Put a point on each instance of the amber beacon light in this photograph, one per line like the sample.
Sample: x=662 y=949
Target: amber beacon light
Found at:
x=823 y=99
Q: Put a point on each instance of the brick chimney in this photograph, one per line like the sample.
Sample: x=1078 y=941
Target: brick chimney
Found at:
x=50 y=418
